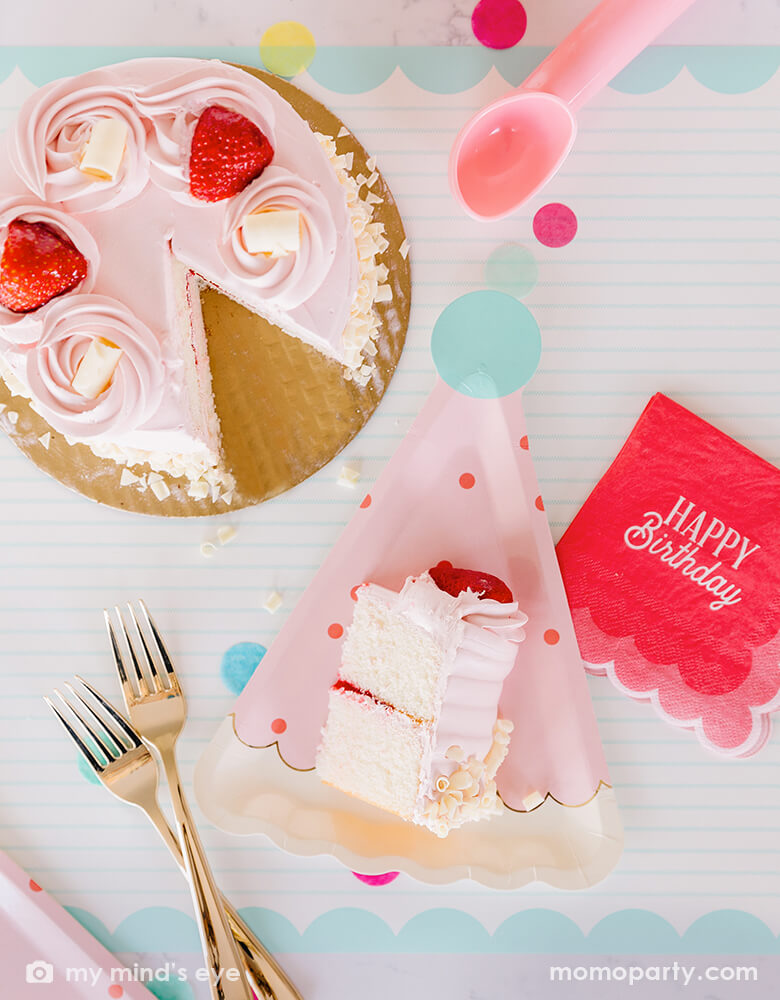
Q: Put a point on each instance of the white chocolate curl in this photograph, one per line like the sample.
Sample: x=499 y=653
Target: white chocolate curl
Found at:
x=52 y=130
x=68 y=331
x=275 y=232
x=105 y=148
x=96 y=369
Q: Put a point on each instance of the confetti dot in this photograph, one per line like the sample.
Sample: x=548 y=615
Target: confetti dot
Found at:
x=539 y=503
x=239 y=663
x=467 y=481
x=287 y=48
x=278 y=726
x=551 y=637
x=366 y=501
x=555 y=225
x=335 y=631
x=116 y=991
x=385 y=879
x=34 y=886
x=524 y=442
x=86 y=771
x=499 y=24
x=486 y=344
x=512 y=269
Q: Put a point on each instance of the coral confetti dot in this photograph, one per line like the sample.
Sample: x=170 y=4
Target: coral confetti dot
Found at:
x=467 y=481
x=555 y=225
x=115 y=991
x=366 y=501
x=539 y=503
x=499 y=24
x=34 y=886
x=278 y=726
x=524 y=442
x=551 y=637
x=335 y=631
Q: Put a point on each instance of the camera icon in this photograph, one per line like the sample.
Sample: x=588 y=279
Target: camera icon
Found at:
x=39 y=972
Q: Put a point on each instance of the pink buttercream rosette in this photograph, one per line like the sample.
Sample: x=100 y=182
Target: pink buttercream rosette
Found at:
x=135 y=391
x=292 y=279
x=25 y=328
x=51 y=131
x=174 y=106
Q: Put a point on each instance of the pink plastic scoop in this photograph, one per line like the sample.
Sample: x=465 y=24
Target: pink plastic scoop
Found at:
x=512 y=147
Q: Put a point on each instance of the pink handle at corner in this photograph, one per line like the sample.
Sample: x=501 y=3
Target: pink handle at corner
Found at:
x=600 y=46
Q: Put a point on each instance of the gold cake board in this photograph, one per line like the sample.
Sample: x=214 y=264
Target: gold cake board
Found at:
x=285 y=409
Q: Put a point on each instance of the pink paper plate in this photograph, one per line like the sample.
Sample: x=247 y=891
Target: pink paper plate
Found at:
x=40 y=943
x=460 y=487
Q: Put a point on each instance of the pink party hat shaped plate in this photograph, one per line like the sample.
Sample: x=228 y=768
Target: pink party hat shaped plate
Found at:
x=461 y=487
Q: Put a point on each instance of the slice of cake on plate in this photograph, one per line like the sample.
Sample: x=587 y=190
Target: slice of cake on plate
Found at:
x=122 y=192
x=413 y=723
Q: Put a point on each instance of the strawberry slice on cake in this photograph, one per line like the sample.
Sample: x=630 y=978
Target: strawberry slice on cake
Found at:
x=37 y=265
x=228 y=152
x=413 y=725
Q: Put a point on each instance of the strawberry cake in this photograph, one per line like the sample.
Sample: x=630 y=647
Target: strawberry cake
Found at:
x=126 y=190
x=413 y=721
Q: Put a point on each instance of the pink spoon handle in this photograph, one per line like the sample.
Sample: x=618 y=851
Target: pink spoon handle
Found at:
x=601 y=45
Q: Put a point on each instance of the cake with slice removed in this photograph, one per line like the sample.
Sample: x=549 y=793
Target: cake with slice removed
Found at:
x=413 y=724
x=122 y=192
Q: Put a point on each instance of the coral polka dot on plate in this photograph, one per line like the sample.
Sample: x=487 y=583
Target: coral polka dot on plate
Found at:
x=551 y=637
x=539 y=503
x=278 y=726
x=115 y=991
x=366 y=501
x=335 y=631
x=287 y=48
x=384 y=879
x=34 y=886
x=467 y=481
x=354 y=592
x=524 y=442
x=499 y=24
x=555 y=225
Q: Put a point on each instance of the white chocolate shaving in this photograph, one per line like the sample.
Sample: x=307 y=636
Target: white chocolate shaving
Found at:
x=226 y=533
x=207 y=549
x=160 y=489
x=45 y=440
x=348 y=477
x=96 y=369
x=273 y=602
x=13 y=417
x=102 y=155
x=275 y=232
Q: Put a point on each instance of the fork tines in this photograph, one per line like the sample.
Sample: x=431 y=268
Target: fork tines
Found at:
x=141 y=659
x=94 y=725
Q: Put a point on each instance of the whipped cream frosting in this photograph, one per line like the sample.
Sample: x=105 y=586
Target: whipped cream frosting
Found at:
x=25 y=328
x=173 y=106
x=51 y=131
x=136 y=387
x=153 y=222
x=292 y=279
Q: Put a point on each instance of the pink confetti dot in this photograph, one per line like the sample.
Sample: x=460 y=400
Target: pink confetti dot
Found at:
x=116 y=991
x=335 y=631
x=34 y=886
x=499 y=24
x=366 y=501
x=278 y=726
x=555 y=225
x=524 y=442
x=467 y=481
x=539 y=503
x=385 y=879
x=551 y=637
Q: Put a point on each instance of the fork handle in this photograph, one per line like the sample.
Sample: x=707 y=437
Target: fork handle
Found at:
x=219 y=946
x=269 y=980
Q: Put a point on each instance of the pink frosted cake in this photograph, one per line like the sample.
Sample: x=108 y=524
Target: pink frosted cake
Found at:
x=122 y=192
x=413 y=723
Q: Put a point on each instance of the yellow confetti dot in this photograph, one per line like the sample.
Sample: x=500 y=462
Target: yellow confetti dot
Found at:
x=287 y=48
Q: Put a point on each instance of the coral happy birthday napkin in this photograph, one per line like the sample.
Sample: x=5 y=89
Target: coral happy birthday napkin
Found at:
x=672 y=570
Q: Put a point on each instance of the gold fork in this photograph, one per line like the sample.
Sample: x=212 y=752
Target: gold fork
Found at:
x=125 y=766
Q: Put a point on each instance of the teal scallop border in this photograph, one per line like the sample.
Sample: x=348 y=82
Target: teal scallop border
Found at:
x=449 y=931
x=726 y=69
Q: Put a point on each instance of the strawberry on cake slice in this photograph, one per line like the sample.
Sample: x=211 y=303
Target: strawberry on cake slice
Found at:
x=413 y=722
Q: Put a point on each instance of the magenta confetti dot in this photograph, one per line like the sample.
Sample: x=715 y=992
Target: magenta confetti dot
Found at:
x=385 y=879
x=499 y=24
x=555 y=225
